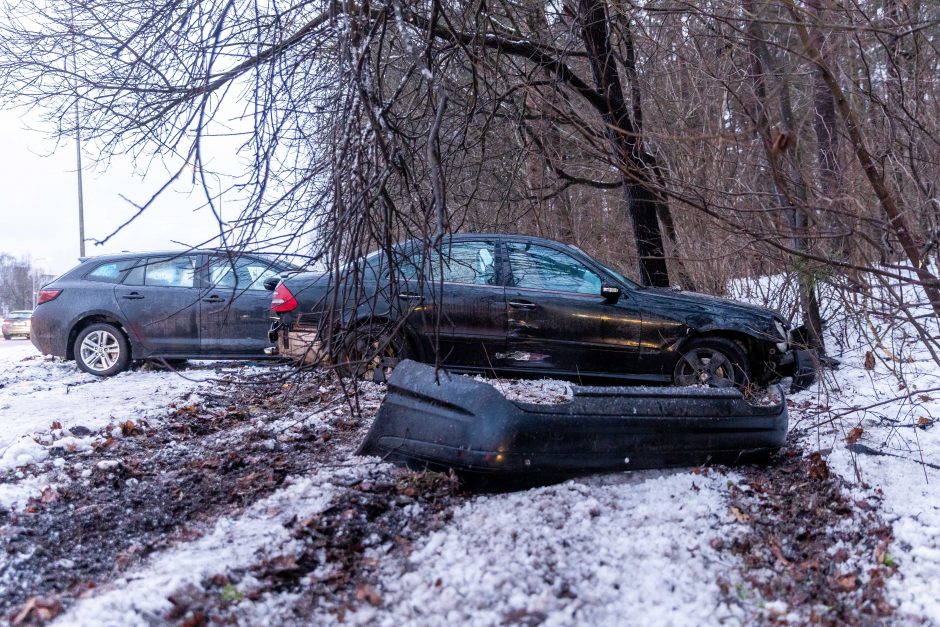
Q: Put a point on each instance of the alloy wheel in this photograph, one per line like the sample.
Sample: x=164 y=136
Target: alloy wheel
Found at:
x=705 y=366
x=100 y=350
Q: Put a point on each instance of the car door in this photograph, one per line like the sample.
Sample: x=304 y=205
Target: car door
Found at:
x=159 y=299
x=462 y=309
x=558 y=322
x=235 y=308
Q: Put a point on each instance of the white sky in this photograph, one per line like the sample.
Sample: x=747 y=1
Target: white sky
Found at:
x=39 y=203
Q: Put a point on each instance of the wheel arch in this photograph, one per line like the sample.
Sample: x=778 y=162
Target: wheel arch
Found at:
x=89 y=319
x=412 y=341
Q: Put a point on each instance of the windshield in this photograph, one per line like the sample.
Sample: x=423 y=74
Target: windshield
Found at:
x=616 y=274
x=606 y=267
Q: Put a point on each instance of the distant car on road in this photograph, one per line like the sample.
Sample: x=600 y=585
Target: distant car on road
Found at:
x=514 y=305
x=200 y=304
x=16 y=323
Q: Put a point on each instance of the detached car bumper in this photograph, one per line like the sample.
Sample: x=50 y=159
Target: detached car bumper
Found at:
x=432 y=419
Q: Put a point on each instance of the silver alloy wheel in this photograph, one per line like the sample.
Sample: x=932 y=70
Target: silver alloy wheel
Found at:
x=100 y=350
x=705 y=366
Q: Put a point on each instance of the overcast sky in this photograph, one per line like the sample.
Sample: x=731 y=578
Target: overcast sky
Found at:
x=39 y=203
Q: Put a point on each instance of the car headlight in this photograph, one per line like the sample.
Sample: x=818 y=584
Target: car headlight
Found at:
x=782 y=333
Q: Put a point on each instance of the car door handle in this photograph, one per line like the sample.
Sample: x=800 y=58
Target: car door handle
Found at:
x=410 y=296
x=522 y=304
x=213 y=299
x=133 y=296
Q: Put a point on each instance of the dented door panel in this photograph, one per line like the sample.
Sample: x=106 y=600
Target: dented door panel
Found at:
x=580 y=333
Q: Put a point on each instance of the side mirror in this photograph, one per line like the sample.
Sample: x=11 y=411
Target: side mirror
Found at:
x=610 y=292
x=271 y=282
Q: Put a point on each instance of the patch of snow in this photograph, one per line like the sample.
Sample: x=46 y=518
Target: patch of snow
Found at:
x=38 y=391
x=625 y=549
x=536 y=391
x=141 y=596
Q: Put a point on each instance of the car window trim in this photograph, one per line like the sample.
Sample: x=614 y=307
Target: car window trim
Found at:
x=150 y=260
x=589 y=266
x=426 y=259
x=210 y=259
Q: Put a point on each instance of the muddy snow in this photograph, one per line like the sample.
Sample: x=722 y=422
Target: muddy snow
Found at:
x=231 y=493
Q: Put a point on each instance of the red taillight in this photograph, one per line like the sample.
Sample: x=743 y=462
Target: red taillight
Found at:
x=46 y=295
x=283 y=300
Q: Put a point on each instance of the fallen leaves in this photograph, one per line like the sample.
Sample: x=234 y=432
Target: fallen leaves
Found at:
x=808 y=546
x=854 y=435
x=818 y=468
x=368 y=593
x=740 y=516
x=869 y=360
x=38 y=609
x=847 y=582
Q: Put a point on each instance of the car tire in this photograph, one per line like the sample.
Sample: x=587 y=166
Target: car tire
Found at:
x=370 y=352
x=102 y=350
x=712 y=361
x=8 y=337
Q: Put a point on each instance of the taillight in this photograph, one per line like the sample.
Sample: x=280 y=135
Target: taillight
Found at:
x=283 y=301
x=46 y=295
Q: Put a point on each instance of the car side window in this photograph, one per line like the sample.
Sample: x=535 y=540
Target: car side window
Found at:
x=176 y=272
x=471 y=263
x=110 y=272
x=543 y=268
x=245 y=273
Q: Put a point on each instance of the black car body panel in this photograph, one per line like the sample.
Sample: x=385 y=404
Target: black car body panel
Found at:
x=213 y=313
x=513 y=321
x=433 y=419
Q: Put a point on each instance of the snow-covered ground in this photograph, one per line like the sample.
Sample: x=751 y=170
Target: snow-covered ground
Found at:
x=877 y=423
x=639 y=548
x=48 y=404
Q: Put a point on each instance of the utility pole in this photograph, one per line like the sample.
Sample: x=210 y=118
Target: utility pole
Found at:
x=78 y=149
x=81 y=203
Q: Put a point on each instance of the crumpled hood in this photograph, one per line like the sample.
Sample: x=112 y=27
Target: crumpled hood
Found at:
x=684 y=299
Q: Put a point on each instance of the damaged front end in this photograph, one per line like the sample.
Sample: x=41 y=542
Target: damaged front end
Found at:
x=433 y=419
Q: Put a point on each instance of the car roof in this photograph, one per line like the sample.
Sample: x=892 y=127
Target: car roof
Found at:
x=29 y=311
x=168 y=253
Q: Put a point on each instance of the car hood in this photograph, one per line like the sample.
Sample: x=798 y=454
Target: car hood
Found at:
x=681 y=299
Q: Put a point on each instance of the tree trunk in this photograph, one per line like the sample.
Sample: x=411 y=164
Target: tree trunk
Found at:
x=799 y=223
x=641 y=201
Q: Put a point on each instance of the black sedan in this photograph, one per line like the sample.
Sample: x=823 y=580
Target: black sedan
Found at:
x=513 y=305
x=111 y=310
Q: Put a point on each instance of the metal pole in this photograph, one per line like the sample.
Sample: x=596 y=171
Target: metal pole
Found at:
x=81 y=203
x=78 y=148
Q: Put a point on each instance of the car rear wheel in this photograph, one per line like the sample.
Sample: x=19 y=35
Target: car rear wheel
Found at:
x=370 y=352
x=102 y=350
x=713 y=361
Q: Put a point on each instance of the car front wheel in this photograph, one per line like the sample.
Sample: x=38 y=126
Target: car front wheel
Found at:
x=715 y=362
x=102 y=350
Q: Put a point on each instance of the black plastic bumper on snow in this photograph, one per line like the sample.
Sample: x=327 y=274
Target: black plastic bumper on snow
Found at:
x=437 y=420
